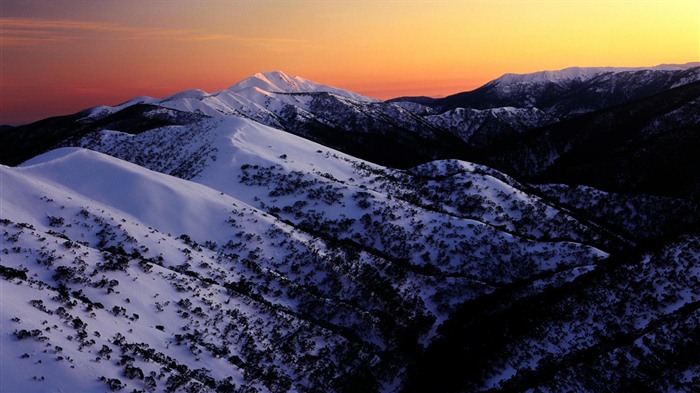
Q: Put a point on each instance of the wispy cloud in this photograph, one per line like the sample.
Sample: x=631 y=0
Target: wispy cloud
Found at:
x=29 y=24
x=28 y=32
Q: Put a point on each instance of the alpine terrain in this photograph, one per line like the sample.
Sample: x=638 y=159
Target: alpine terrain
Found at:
x=539 y=233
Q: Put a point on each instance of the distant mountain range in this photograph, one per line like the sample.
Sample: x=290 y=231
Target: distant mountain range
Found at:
x=568 y=92
x=539 y=233
x=476 y=125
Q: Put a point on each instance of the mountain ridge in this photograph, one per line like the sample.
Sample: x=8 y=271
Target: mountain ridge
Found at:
x=127 y=221
x=551 y=95
x=335 y=118
x=253 y=242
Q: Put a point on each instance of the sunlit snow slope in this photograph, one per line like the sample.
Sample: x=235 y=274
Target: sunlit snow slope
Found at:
x=275 y=239
x=196 y=243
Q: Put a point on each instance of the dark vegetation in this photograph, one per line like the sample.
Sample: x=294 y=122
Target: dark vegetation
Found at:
x=345 y=308
x=646 y=146
x=21 y=143
x=571 y=98
x=603 y=304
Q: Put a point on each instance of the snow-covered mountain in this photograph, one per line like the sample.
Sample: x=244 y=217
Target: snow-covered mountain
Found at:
x=571 y=91
x=409 y=133
x=645 y=146
x=195 y=243
x=567 y=75
x=291 y=239
x=483 y=128
x=260 y=96
x=337 y=118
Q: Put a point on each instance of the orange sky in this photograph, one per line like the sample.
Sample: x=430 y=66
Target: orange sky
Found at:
x=58 y=57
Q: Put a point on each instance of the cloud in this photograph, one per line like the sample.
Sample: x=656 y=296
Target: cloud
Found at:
x=35 y=25
x=28 y=32
x=19 y=40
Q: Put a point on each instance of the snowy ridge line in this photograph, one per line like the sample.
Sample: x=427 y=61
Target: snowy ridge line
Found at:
x=582 y=73
x=211 y=251
x=251 y=94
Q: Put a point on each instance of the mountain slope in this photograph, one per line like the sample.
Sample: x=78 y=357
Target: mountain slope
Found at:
x=645 y=146
x=381 y=132
x=349 y=263
x=24 y=142
x=95 y=243
x=572 y=91
x=629 y=326
x=194 y=243
x=483 y=128
x=204 y=309
x=235 y=148
x=397 y=134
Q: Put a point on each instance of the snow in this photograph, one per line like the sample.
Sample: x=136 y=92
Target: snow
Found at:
x=145 y=196
x=192 y=93
x=239 y=149
x=476 y=126
x=580 y=73
x=124 y=197
x=249 y=226
x=279 y=82
x=260 y=97
x=101 y=111
x=242 y=141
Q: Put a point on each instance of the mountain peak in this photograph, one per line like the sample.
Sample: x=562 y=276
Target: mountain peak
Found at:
x=276 y=82
x=280 y=82
x=191 y=93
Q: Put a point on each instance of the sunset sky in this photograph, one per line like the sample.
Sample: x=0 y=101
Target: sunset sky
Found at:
x=60 y=56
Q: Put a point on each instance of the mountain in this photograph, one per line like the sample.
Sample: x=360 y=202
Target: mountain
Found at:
x=572 y=91
x=486 y=127
x=24 y=142
x=629 y=326
x=645 y=146
x=278 y=239
x=260 y=95
x=208 y=242
x=421 y=100
x=618 y=129
x=380 y=132
x=399 y=134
